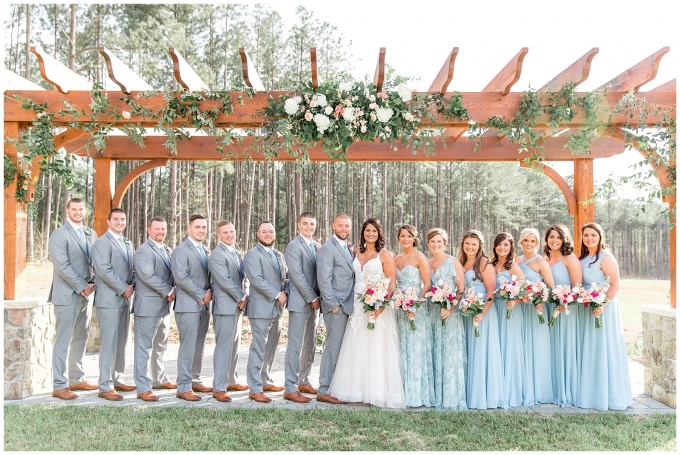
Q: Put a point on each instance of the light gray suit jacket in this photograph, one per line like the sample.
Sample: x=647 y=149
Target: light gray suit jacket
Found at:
x=192 y=278
x=153 y=281
x=335 y=274
x=302 y=273
x=72 y=266
x=114 y=272
x=265 y=283
x=229 y=282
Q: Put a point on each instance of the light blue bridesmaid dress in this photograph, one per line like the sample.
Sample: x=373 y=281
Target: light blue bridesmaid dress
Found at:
x=605 y=380
x=537 y=373
x=415 y=346
x=565 y=347
x=449 y=354
x=511 y=336
x=484 y=385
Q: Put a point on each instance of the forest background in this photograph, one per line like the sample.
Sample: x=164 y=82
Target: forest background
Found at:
x=456 y=196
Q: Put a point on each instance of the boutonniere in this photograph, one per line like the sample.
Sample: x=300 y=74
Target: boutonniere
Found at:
x=88 y=232
x=127 y=241
x=317 y=246
x=350 y=245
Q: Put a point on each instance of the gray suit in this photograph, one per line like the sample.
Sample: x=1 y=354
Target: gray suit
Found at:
x=114 y=275
x=264 y=312
x=192 y=279
x=230 y=287
x=302 y=319
x=335 y=275
x=153 y=284
x=72 y=273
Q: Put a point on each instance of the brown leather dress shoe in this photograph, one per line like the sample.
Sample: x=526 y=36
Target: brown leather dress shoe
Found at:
x=221 y=396
x=110 y=395
x=307 y=389
x=167 y=385
x=296 y=397
x=201 y=388
x=83 y=386
x=64 y=394
x=124 y=388
x=272 y=388
x=327 y=398
x=237 y=388
x=147 y=396
x=188 y=396
x=259 y=397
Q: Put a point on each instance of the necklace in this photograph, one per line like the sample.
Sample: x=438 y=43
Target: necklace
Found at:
x=436 y=263
x=406 y=255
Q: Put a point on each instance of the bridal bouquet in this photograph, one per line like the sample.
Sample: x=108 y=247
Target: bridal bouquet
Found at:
x=511 y=290
x=472 y=305
x=443 y=295
x=537 y=293
x=375 y=296
x=563 y=295
x=595 y=297
x=408 y=301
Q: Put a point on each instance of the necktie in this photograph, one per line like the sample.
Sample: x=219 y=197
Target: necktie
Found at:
x=86 y=247
x=349 y=253
x=236 y=256
x=201 y=253
x=312 y=251
x=125 y=250
x=276 y=261
x=164 y=249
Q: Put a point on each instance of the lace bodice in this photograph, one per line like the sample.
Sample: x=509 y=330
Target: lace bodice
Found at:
x=409 y=277
x=372 y=270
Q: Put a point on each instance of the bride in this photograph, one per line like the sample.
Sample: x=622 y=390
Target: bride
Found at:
x=368 y=364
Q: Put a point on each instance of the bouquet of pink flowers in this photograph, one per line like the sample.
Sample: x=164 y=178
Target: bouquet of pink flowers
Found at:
x=374 y=296
x=595 y=297
x=511 y=290
x=537 y=293
x=443 y=295
x=565 y=295
x=408 y=301
x=472 y=305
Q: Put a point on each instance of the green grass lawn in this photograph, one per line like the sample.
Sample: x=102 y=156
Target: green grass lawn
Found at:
x=68 y=428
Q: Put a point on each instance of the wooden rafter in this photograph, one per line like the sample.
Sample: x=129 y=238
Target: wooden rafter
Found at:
x=379 y=77
x=250 y=76
x=131 y=176
x=669 y=86
x=121 y=74
x=59 y=75
x=315 y=75
x=443 y=78
x=637 y=76
x=576 y=73
x=185 y=74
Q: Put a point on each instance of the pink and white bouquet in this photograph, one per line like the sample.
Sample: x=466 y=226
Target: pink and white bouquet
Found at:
x=408 y=301
x=537 y=293
x=512 y=289
x=565 y=295
x=472 y=305
x=443 y=295
x=595 y=297
x=374 y=296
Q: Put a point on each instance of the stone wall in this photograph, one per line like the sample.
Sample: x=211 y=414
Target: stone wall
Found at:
x=658 y=353
x=29 y=338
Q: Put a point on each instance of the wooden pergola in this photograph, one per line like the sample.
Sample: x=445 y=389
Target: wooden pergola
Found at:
x=495 y=99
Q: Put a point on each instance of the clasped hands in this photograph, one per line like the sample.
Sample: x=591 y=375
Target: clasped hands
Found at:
x=89 y=289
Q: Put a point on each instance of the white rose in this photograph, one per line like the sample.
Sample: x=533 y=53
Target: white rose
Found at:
x=321 y=100
x=363 y=128
x=291 y=106
x=408 y=116
x=404 y=92
x=298 y=99
x=345 y=87
x=372 y=97
x=322 y=122
x=329 y=110
x=384 y=114
x=348 y=114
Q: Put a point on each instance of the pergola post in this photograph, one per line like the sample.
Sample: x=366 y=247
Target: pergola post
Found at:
x=584 y=187
x=672 y=245
x=15 y=220
x=104 y=181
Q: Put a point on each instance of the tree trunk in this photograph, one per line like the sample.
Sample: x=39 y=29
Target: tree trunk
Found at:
x=172 y=218
x=27 y=73
x=72 y=43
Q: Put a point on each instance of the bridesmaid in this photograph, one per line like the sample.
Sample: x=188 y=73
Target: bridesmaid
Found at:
x=510 y=331
x=565 y=341
x=484 y=385
x=449 y=340
x=537 y=373
x=413 y=271
x=605 y=380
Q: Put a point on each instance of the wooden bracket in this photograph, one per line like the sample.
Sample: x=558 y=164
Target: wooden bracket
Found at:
x=59 y=75
x=185 y=74
x=121 y=74
x=443 y=79
x=131 y=176
x=560 y=182
x=250 y=76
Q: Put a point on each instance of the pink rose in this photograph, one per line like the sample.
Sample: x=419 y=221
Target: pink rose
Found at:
x=308 y=116
x=126 y=115
x=373 y=117
x=41 y=114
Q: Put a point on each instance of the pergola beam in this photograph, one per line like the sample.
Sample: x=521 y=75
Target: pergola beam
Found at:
x=59 y=75
x=250 y=75
x=443 y=79
x=121 y=74
x=379 y=76
x=185 y=74
x=637 y=76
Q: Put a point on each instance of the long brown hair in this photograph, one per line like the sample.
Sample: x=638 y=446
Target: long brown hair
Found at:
x=380 y=243
x=601 y=245
x=511 y=255
x=462 y=256
x=567 y=242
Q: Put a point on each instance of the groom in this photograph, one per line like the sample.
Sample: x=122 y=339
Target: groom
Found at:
x=335 y=277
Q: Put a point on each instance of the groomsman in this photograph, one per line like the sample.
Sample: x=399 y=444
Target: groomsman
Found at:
x=189 y=264
x=336 y=283
x=303 y=310
x=154 y=291
x=268 y=275
x=230 y=296
x=71 y=294
x=112 y=258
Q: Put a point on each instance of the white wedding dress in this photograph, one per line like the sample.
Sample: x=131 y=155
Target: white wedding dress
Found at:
x=368 y=364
